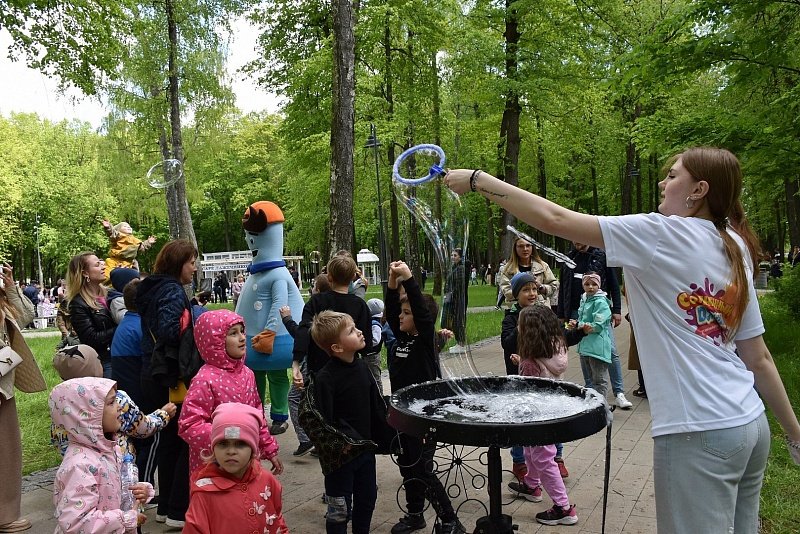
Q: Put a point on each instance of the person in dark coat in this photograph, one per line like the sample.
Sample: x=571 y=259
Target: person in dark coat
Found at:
x=166 y=314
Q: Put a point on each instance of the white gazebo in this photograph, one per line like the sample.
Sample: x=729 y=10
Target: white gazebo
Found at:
x=369 y=265
x=236 y=262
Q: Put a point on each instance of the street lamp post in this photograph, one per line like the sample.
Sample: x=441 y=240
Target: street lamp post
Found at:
x=374 y=144
x=38 y=252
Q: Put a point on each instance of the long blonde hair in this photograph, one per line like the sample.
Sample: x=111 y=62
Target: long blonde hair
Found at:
x=77 y=283
x=721 y=170
x=512 y=266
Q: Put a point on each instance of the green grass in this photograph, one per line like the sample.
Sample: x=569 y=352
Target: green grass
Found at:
x=34 y=416
x=780 y=500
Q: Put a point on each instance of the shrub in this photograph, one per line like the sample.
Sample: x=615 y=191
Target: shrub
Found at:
x=787 y=290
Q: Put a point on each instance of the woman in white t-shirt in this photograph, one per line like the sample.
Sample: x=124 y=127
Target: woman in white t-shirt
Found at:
x=690 y=292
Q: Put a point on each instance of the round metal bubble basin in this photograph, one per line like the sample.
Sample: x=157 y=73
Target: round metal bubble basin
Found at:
x=498 y=411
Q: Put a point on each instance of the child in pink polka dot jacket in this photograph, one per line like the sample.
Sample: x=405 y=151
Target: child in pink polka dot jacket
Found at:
x=220 y=338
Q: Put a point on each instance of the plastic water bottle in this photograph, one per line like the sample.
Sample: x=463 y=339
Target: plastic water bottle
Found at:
x=129 y=475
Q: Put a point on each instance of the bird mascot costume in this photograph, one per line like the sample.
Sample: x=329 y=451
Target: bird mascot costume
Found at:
x=266 y=290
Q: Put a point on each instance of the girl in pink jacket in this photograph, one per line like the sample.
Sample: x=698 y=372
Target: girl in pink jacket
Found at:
x=87 y=491
x=232 y=492
x=543 y=353
x=220 y=338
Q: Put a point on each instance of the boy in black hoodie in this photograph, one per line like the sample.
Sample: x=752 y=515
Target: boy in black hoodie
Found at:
x=346 y=398
x=413 y=359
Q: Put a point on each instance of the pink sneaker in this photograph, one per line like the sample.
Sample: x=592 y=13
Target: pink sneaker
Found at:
x=558 y=516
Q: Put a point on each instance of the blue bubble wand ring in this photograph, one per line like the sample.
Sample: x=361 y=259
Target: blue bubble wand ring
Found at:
x=437 y=169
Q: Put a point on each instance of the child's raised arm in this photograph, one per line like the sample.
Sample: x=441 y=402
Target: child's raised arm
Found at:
x=138 y=425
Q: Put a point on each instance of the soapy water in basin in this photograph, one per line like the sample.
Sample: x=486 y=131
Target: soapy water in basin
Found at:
x=530 y=406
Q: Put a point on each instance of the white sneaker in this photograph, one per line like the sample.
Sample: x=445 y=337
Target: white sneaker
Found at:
x=161 y=518
x=457 y=348
x=175 y=523
x=622 y=402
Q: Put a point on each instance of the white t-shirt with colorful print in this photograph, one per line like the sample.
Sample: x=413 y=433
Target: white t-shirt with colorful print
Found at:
x=676 y=279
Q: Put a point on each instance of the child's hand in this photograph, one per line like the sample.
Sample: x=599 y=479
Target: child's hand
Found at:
x=277 y=466
x=297 y=376
x=572 y=324
x=446 y=334
x=515 y=359
x=141 y=519
x=106 y=224
x=285 y=311
x=139 y=492
x=170 y=408
x=402 y=271
x=587 y=328
x=151 y=239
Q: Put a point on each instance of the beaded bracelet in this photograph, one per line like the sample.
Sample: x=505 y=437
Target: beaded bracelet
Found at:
x=472 y=178
x=793 y=444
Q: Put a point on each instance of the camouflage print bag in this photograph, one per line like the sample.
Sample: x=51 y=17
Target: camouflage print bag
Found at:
x=335 y=448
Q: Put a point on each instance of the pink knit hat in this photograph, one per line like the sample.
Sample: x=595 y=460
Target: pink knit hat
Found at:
x=592 y=276
x=233 y=420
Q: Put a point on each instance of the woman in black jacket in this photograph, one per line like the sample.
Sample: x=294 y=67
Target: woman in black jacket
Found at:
x=166 y=315
x=89 y=306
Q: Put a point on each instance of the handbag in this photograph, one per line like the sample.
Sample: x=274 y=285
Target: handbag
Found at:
x=9 y=359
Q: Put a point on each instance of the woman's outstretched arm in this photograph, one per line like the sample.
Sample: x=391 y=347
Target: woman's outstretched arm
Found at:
x=534 y=210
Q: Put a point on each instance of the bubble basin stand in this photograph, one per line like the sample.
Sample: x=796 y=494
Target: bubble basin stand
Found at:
x=492 y=434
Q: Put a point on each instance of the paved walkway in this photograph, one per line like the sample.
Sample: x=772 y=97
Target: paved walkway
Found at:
x=631 y=507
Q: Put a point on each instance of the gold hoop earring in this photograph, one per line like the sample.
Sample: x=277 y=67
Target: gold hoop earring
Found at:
x=86 y=279
x=692 y=200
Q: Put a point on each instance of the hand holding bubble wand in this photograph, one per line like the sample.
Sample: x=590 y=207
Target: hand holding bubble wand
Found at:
x=559 y=257
x=447 y=230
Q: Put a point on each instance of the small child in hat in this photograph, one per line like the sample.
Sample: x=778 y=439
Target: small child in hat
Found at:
x=81 y=361
x=232 y=492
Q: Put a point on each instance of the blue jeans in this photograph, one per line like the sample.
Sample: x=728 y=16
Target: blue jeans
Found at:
x=295 y=396
x=518 y=456
x=710 y=481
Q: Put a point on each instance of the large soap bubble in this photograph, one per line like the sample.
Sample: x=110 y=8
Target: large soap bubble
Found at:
x=425 y=197
x=164 y=173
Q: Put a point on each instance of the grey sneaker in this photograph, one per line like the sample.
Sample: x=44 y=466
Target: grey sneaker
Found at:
x=278 y=428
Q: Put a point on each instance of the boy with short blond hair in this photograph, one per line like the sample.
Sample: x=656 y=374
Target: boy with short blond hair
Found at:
x=345 y=395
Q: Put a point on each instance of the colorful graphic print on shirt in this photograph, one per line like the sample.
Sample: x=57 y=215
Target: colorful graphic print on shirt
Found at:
x=707 y=309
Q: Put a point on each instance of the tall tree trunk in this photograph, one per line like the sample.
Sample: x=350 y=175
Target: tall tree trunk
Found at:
x=790 y=186
x=540 y=156
x=509 y=128
x=342 y=127
x=183 y=218
x=388 y=80
x=627 y=179
x=437 y=139
x=780 y=228
x=638 y=178
x=652 y=179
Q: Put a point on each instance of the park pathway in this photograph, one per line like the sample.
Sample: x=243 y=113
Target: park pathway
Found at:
x=631 y=505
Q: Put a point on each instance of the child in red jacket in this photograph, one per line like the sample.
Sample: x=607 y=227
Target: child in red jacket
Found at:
x=233 y=493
